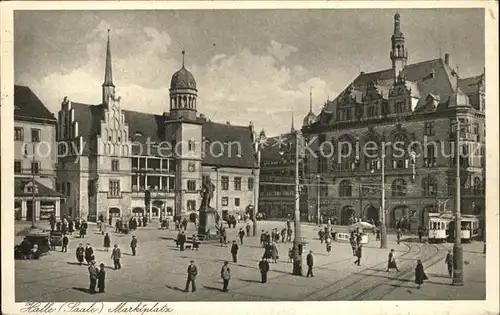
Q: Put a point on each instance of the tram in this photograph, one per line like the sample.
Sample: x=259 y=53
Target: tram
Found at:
x=438 y=227
x=469 y=228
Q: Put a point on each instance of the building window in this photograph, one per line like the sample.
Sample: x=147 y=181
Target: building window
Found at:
x=17 y=167
x=205 y=178
x=477 y=187
x=35 y=167
x=114 y=187
x=430 y=156
x=63 y=188
x=372 y=111
x=115 y=165
x=430 y=187
x=400 y=107
x=18 y=134
x=191 y=145
x=236 y=202
x=348 y=157
x=250 y=183
x=237 y=183
x=191 y=205
x=191 y=185
x=345 y=189
x=225 y=201
x=35 y=135
x=322 y=163
x=323 y=190
x=225 y=183
x=399 y=188
x=429 y=128
x=68 y=189
x=91 y=187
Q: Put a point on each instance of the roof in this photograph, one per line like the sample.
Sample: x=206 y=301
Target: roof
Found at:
x=423 y=78
x=273 y=146
x=470 y=85
x=27 y=105
x=183 y=79
x=19 y=185
x=143 y=126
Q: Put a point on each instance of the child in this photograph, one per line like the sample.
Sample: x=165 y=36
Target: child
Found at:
x=65 y=242
x=107 y=242
x=101 y=276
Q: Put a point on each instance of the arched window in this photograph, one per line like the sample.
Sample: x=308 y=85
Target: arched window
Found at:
x=430 y=155
x=399 y=188
x=345 y=189
x=477 y=186
x=400 y=157
x=114 y=212
x=349 y=156
x=371 y=154
x=429 y=186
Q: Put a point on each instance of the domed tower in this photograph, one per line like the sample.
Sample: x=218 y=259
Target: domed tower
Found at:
x=183 y=94
x=399 y=54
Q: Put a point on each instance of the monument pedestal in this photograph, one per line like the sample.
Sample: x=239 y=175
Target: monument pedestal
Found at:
x=207 y=222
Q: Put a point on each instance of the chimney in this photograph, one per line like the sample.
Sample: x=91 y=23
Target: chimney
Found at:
x=447 y=59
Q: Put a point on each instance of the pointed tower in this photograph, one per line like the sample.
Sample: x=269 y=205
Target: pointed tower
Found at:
x=292 y=129
x=108 y=88
x=399 y=54
x=310 y=117
x=183 y=94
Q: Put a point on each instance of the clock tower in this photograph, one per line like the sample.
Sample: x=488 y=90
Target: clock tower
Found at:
x=185 y=132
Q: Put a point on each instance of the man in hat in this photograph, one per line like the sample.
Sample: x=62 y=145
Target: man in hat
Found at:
x=101 y=278
x=264 y=269
x=192 y=271
x=449 y=262
x=234 y=251
x=80 y=253
x=133 y=244
x=225 y=274
x=93 y=274
x=116 y=255
x=310 y=264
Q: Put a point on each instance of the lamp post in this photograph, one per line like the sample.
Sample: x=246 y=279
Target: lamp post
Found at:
x=318 y=178
x=383 y=228
x=457 y=246
x=33 y=205
x=262 y=139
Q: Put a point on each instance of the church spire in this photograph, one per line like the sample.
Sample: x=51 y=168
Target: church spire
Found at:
x=108 y=88
x=183 y=55
x=293 y=125
x=399 y=54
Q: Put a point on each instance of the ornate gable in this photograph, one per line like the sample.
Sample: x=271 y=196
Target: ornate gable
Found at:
x=114 y=138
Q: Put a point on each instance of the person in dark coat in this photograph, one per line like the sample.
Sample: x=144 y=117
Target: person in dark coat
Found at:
x=420 y=234
x=358 y=255
x=224 y=235
x=192 y=272
x=268 y=251
x=392 y=261
x=107 y=242
x=184 y=224
x=52 y=244
x=247 y=227
x=139 y=221
x=225 y=274
x=196 y=243
x=117 y=226
x=359 y=238
x=310 y=264
x=241 y=234
x=83 y=231
x=264 y=269
x=283 y=235
x=420 y=275
x=101 y=277
x=89 y=254
x=263 y=238
x=77 y=225
x=398 y=236
x=71 y=227
x=80 y=253
x=110 y=220
x=449 y=262
x=131 y=224
x=144 y=221
x=274 y=252
x=58 y=226
x=377 y=237
x=85 y=225
x=181 y=239
x=133 y=244
x=116 y=255
x=93 y=274
x=234 y=251
x=65 y=242
x=321 y=235
x=52 y=222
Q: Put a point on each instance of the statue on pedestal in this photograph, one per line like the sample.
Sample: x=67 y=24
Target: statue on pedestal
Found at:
x=207 y=193
x=208 y=216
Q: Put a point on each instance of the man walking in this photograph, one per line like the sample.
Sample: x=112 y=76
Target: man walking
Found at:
x=248 y=229
x=133 y=244
x=93 y=274
x=116 y=255
x=398 y=235
x=392 y=261
x=264 y=269
x=65 y=242
x=234 y=251
x=449 y=262
x=241 y=234
x=225 y=274
x=358 y=255
x=310 y=264
x=181 y=240
x=192 y=271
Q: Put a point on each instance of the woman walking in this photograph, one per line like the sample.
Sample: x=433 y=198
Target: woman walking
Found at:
x=328 y=245
x=107 y=242
x=392 y=261
x=420 y=275
x=274 y=252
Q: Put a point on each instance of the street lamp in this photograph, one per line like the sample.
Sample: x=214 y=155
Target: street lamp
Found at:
x=318 y=177
x=258 y=149
x=297 y=242
x=458 y=262
x=383 y=228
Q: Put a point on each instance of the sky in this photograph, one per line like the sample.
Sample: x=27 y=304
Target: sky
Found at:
x=249 y=65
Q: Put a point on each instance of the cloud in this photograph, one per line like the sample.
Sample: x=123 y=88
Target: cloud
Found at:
x=239 y=87
x=280 y=51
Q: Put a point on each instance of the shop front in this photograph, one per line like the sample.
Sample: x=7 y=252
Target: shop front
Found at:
x=42 y=203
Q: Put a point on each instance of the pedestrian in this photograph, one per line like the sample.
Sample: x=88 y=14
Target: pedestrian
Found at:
x=263 y=238
x=328 y=243
x=184 y=224
x=268 y=251
x=358 y=255
x=224 y=236
x=65 y=242
x=274 y=252
x=225 y=274
x=80 y=252
x=70 y=227
x=283 y=235
x=93 y=274
x=110 y=221
x=353 y=246
x=107 y=242
x=248 y=229
x=77 y=225
x=181 y=240
x=52 y=222
x=420 y=234
x=289 y=235
x=449 y=262
x=234 y=251
x=89 y=254
x=144 y=221
x=398 y=235
x=392 y=261
x=310 y=264
x=52 y=244
x=377 y=237
x=192 y=271
x=116 y=255
x=321 y=235
x=420 y=275
x=196 y=242
x=117 y=226
x=58 y=226
x=101 y=277
x=133 y=244
x=264 y=269
x=221 y=236
x=241 y=234
x=83 y=231
x=139 y=222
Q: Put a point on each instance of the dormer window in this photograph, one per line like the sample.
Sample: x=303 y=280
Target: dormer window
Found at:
x=400 y=107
